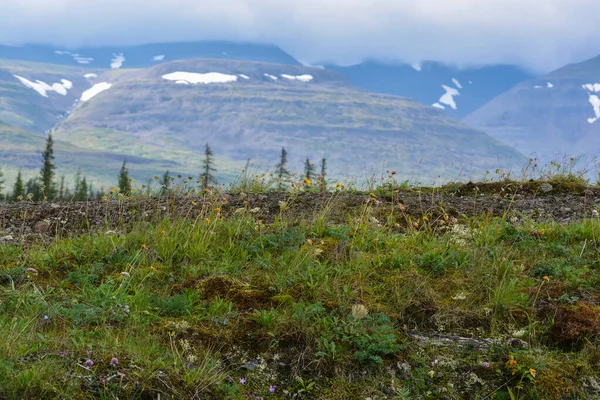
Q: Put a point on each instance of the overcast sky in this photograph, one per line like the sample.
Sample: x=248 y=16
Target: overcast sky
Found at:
x=539 y=34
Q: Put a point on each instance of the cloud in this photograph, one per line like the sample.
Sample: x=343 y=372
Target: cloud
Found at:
x=539 y=34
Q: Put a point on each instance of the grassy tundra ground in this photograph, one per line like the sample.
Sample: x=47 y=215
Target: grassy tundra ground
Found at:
x=488 y=291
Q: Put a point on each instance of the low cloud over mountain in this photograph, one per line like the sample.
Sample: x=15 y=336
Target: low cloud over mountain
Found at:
x=538 y=34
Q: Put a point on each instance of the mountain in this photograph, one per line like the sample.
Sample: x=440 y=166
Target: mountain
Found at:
x=251 y=109
x=457 y=91
x=142 y=56
x=160 y=117
x=551 y=116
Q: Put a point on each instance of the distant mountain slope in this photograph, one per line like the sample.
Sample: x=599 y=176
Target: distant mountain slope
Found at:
x=552 y=116
x=35 y=96
x=458 y=92
x=142 y=56
x=250 y=110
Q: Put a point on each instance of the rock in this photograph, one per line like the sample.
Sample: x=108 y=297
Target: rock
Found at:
x=591 y=385
x=546 y=187
x=54 y=205
x=41 y=227
x=443 y=340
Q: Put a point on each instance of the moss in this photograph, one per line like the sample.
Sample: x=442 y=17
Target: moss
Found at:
x=239 y=293
x=575 y=323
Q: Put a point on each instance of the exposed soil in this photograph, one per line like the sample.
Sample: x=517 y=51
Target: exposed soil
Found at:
x=33 y=222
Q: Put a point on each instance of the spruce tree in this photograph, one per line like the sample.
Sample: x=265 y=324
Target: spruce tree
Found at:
x=208 y=167
x=165 y=182
x=1 y=184
x=32 y=187
x=82 y=194
x=19 y=188
x=323 y=167
x=81 y=191
x=322 y=180
x=309 y=169
x=61 y=190
x=48 y=171
x=124 y=182
x=280 y=169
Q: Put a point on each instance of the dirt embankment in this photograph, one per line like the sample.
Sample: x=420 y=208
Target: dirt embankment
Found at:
x=31 y=221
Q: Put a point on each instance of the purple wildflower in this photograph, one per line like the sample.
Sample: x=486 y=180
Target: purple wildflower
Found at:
x=89 y=363
x=486 y=364
x=114 y=361
x=436 y=361
x=242 y=380
x=272 y=388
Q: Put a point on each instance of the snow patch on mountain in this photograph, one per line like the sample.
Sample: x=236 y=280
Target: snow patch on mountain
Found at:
x=159 y=58
x=549 y=85
x=271 y=76
x=95 y=90
x=117 y=61
x=591 y=89
x=43 y=88
x=301 y=78
x=244 y=76
x=438 y=105
x=77 y=57
x=456 y=83
x=192 y=77
x=417 y=67
x=448 y=97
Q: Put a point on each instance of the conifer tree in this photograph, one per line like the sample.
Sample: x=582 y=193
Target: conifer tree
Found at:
x=48 y=171
x=1 y=184
x=19 y=188
x=309 y=169
x=80 y=193
x=124 y=182
x=61 y=190
x=165 y=182
x=208 y=167
x=323 y=167
x=322 y=180
x=83 y=190
x=32 y=187
x=280 y=169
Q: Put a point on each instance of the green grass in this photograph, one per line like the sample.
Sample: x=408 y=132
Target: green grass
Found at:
x=317 y=308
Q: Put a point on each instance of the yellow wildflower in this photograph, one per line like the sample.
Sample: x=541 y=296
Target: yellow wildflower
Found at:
x=339 y=185
x=546 y=278
x=425 y=218
x=144 y=247
x=163 y=232
x=194 y=203
x=307 y=181
x=416 y=224
x=512 y=362
x=532 y=372
x=207 y=220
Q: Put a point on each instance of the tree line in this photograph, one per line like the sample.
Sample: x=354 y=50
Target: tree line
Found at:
x=46 y=186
